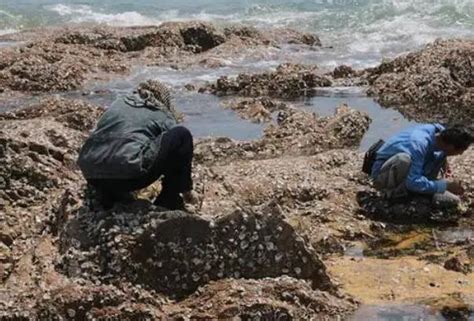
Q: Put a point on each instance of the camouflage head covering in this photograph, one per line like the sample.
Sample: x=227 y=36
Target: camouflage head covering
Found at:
x=154 y=94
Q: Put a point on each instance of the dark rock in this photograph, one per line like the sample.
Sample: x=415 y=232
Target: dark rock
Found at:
x=343 y=71
x=175 y=253
x=455 y=264
x=202 y=36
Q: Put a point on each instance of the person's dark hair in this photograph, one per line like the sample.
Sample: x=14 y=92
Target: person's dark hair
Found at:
x=457 y=136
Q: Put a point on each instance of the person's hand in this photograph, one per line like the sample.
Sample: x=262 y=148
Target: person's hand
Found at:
x=455 y=187
x=448 y=173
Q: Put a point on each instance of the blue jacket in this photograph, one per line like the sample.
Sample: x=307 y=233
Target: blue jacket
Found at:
x=419 y=143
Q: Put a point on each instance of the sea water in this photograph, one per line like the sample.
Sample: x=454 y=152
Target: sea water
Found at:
x=355 y=32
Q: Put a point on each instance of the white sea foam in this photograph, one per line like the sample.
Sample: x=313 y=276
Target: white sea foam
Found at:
x=359 y=32
x=6 y=14
x=84 y=13
x=7 y=31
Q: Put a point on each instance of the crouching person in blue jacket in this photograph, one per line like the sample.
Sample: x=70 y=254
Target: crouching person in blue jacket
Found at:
x=411 y=162
x=135 y=142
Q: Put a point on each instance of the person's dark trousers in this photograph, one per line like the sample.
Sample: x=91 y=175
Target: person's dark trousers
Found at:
x=174 y=162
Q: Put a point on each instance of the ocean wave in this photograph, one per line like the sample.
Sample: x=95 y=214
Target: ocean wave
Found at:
x=7 y=31
x=85 y=13
x=7 y=14
x=359 y=32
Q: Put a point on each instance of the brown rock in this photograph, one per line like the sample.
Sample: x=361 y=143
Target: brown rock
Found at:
x=287 y=81
x=258 y=110
x=284 y=298
x=435 y=83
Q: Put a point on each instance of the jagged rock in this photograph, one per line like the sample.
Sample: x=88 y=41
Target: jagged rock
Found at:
x=49 y=66
x=202 y=36
x=38 y=147
x=282 y=298
x=243 y=32
x=64 y=59
x=75 y=302
x=175 y=252
x=289 y=80
x=415 y=209
x=5 y=260
x=343 y=71
x=86 y=37
x=296 y=133
x=75 y=114
x=457 y=264
x=39 y=144
x=435 y=83
x=295 y=37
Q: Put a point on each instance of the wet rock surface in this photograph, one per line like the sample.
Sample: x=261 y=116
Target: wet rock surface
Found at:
x=288 y=81
x=176 y=252
x=257 y=110
x=296 y=133
x=48 y=66
x=192 y=36
x=435 y=83
x=105 y=264
x=277 y=213
x=64 y=59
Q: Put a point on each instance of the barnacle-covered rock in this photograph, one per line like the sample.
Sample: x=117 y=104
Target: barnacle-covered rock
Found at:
x=283 y=298
x=176 y=252
x=38 y=147
x=435 y=83
x=287 y=81
x=296 y=133
x=48 y=66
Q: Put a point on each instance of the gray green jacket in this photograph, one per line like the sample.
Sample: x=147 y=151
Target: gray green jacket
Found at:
x=126 y=139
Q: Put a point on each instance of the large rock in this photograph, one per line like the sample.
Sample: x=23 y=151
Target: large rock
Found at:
x=176 y=252
x=435 y=83
x=64 y=59
x=38 y=149
x=39 y=145
x=48 y=66
x=296 y=133
x=195 y=36
x=288 y=81
x=74 y=114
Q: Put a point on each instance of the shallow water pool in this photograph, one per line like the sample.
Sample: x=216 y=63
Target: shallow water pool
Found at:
x=206 y=116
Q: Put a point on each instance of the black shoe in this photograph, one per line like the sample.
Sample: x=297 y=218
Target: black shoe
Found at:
x=108 y=200
x=171 y=202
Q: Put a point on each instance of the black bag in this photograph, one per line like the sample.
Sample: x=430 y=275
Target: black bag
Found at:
x=370 y=155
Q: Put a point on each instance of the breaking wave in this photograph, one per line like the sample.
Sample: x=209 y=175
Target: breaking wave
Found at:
x=359 y=31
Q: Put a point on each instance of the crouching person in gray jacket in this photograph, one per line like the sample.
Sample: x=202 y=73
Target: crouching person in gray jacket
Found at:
x=135 y=142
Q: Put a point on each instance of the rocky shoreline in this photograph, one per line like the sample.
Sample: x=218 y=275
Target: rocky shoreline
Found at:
x=278 y=212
